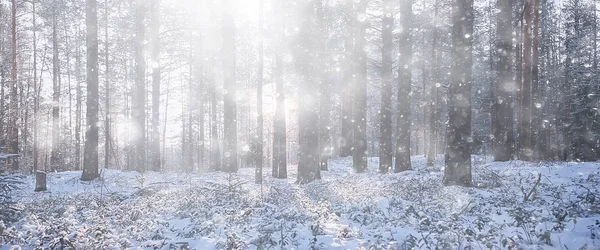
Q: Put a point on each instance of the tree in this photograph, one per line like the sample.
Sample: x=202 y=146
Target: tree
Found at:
x=458 y=132
x=279 y=124
x=54 y=158
x=433 y=116
x=403 y=119
x=259 y=95
x=359 y=157
x=308 y=122
x=13 y=127
x=325 y=146
x=387 y=76
x=504 y=86
x=139 y=93
x=229 y=85
x=346 y=143
x=90 y=156
x=524 y=127
x=156 y=75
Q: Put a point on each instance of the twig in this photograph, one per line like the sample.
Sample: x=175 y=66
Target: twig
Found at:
x=527 y=195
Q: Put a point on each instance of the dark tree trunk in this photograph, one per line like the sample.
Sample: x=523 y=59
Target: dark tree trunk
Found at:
x=308 y=122
x=325 y=146
x=13 y=142
x=54 y=156
x=90 y=155
x=345 y=142
x=433 y=118
x=404 y=85
x=259 y=97
x=279 y=123
x=229 y=85
x=536 y=103
x=504 y=87
x=359 y=156
x=387 y=77
x=458 y=133
x=107 y=129
x=525 y=142
x=156 y=74
x=139 y=95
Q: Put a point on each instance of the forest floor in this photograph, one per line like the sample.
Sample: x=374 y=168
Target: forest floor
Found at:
x=513 y=205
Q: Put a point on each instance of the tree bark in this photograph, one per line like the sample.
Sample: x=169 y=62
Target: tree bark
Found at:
x=458 y=133
x=387 y=76
x=504 y=87
x=156 y=75
x=139 y=95
x=403 y=118
x=259 y=97
x=433 y=118
x=229 y=85
x=359 y=156
x=279 y=123
x=90 y=160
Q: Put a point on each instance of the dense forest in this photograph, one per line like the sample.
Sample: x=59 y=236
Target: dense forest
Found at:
x=218 y=85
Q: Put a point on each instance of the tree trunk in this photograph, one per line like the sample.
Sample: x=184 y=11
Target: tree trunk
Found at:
x=433 y=118
x=90 y=156
x=536 y=103
x=14 y=109
x=139 y=95
x=54 y=156
x=325 y=147
x=279 y=123
x=525 y=149
x=308 y=122
x=359 y=156
x=229 y=85
x=458 y=133
x=345 y=142
x=107 y=136
x=387 y=76
x=35 y=90
x=259 y=97
x=156 y=75
x=404 y=85
x=504 y=87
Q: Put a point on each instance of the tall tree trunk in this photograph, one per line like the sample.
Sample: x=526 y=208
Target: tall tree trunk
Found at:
x=35 y=88
x=359 y=156
x=14 y=108
x=156 y=75
x=139 y=95
x=433 y=118
x=90 y=156
x=387 y=77
x=54 y=157
x=525 y=149
x=307 y=56
x=403 y=118
x=107 y=116
x=229 y=85
x=259 y=96
x=78 y=104
x=345 y=142
x=504 y=87
x=279 y=124
x=536 y=102
x=325 y=146
x=458 y=133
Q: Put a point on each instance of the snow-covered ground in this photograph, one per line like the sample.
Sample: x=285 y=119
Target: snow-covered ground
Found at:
x=344 y=210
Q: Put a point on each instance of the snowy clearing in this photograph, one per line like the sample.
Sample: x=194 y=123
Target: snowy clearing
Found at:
x=409 y=210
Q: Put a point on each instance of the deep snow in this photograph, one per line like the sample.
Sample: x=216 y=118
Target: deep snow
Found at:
x=344 y=210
